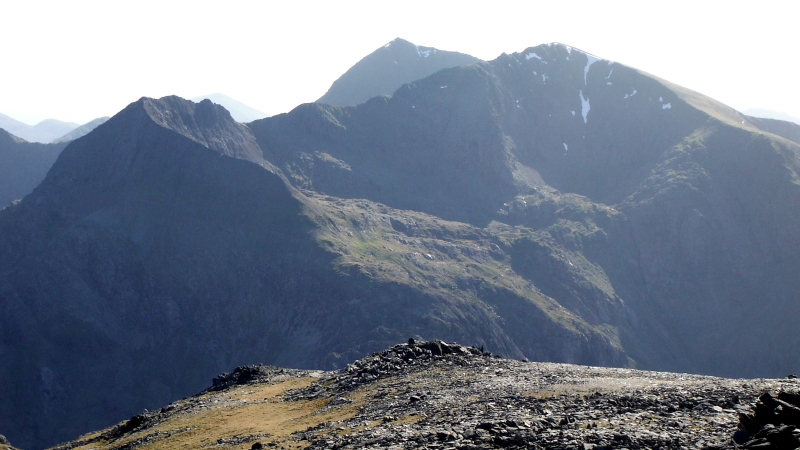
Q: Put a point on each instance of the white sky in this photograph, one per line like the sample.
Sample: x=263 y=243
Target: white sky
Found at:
x=77 y=60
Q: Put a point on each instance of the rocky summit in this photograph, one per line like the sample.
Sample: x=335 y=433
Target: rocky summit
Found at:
x=438 y=395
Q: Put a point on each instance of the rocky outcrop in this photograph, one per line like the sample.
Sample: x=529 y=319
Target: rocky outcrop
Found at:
x=774 y=422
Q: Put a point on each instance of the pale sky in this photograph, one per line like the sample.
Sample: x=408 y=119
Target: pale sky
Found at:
x=77 y=60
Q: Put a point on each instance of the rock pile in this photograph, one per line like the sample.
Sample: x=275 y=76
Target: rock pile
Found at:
x=773 y=423
x=4 y=444
x=249 y=374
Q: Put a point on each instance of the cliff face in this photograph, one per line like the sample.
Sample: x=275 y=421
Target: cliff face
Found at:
x=547 y=205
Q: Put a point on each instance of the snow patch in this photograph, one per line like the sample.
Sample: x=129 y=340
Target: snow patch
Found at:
x=666 y=106
x=565 y=147
x=630 y=95
x=590 y=59
x=443 y=87
x=533 y=55
x=424 y=53
x=573 y=112
x=609 y=73
x=660 y=99
x=569 y=50
x=609 y=83
x=584 y=106
x=544 y=77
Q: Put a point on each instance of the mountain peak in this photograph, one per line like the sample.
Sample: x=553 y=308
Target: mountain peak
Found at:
x=239 y=111
x=206 y=123
x=389 y=67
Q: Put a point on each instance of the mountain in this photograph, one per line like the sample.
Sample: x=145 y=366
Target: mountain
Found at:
x=239 y=111
x=82 y=130
x=13 y=126
x=23 y=165
x=389 y=67
x=547 y=205
x=770 y=114
x=435 y=394
x=43 y=132
x=676 y=209
x=782 y=128
x=173 y=232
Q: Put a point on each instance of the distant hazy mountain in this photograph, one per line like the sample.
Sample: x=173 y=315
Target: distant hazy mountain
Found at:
x=45 y=131
x=239 y=111
x=386 y=69
x=13 y=126
x=81 y=130
x=770 y=114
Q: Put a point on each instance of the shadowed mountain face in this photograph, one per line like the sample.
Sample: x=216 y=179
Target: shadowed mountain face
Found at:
x=688 y=209
x=548 y=205
x=23 y=165
x=162 y=244
x=386 y=69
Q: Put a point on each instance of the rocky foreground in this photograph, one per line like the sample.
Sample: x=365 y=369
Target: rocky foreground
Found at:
x=447 y=396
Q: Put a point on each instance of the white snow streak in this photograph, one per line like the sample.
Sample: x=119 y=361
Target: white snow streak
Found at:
x=590 y=59
x=584 y=106
x=630 y=95
x=660 y=99
x=565 y=147
x=424 y=53
x=666 y=106
x=533 y=55
x=573 y=112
